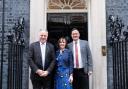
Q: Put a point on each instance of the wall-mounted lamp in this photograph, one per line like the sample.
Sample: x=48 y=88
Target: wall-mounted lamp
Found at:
x=104 y=50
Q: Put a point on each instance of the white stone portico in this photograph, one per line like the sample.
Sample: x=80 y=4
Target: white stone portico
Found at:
x=96 y=32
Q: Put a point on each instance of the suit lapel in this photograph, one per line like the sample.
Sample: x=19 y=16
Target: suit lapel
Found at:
x=80 y=45
x=39 y=51
x=72 y=46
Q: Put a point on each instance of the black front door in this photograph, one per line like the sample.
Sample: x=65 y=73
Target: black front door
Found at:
x=61 y=24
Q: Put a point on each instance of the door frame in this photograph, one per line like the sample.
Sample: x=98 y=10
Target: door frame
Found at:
x=96 y=35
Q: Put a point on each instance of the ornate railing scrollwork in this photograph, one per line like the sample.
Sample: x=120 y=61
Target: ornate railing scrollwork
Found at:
x=118 y=32
x=125 y=33
x=17 y=35
x=116 y=26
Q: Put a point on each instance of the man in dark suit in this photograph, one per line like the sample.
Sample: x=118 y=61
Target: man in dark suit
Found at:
x=41 y=61
x=82 y=61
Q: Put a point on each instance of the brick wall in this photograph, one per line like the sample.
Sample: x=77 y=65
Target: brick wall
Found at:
x=120 y=8
x=13 y=9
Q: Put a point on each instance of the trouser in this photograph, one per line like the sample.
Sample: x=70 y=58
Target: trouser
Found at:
x=43 y=83
x=80 y=79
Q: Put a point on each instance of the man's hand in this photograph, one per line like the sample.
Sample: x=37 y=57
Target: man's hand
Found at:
x=44 y=74
x=39 y=72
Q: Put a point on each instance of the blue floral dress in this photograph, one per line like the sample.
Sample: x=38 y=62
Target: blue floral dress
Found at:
x=64 y=67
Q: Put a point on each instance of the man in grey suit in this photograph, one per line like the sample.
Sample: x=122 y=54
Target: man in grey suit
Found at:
x=82 y=61
x=41 y=61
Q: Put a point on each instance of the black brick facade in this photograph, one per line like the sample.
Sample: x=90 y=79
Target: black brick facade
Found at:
x=10 y=12
x=116 y=8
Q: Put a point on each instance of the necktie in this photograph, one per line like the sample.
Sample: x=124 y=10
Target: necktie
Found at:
x=76 y=55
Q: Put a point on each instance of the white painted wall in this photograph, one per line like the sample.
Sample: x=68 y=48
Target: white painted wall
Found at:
x=37 y=18
x=97 y=38
x=96 y=33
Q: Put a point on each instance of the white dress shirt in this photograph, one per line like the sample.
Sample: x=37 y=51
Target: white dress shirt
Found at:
x=43 y=48
x=79 y=55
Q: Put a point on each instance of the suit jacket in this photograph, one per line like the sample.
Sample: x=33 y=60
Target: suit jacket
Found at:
x=35 y=58
x=85 y=55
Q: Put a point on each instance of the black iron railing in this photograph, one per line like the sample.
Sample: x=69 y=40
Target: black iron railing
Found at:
x=15 y=61
x=119 y=44
x=15 y=55
x=120 y=65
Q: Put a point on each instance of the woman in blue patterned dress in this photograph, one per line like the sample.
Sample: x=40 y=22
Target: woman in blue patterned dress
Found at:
x=64 y=66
